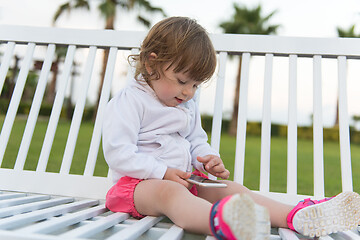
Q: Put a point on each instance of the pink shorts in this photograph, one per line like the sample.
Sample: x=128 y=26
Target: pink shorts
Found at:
x=120 y=198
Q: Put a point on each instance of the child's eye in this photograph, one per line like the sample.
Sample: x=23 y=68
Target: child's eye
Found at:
x=181 y=82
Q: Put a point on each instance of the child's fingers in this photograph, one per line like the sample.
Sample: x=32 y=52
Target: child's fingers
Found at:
x=213 y=163
x=204 y=160
x=224 y=175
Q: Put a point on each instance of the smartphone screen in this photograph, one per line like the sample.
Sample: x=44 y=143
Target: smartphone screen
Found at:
x=201 y=181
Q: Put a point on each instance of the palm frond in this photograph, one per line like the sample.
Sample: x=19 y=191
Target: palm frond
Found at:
x=143 y=21
x=68 y=6
x=64 y=7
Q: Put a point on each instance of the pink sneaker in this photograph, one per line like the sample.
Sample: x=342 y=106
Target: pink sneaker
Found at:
x=237 y=217
x=330 y=215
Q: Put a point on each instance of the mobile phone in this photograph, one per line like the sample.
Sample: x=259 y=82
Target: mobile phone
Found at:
x=204 y=182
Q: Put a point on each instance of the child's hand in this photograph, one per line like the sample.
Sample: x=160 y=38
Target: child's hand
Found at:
x=214 y=165
x=177 y=175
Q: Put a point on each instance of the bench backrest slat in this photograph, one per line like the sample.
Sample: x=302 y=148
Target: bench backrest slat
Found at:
x=56 y=110
x=78 y=113
x=319 y=187
x=266 y=126
x=35 y=108
x=15 y=100
x=241 y=124
x=218 y=106
x=5 y=63
x=104 y=98
x=291 y=187
x=345 y=155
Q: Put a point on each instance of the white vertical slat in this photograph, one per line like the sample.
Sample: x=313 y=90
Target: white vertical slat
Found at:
x=319 y=191
x=345 y=154
x=242 y=120
x=104 y=98
x=56 y=110
x=35 y=108
x=15 y=100
x=5 y=62
x=137 y=229
x=78 y=113
x=266 y=126
x=218 y=107
x=96 y=226
x=292 y=128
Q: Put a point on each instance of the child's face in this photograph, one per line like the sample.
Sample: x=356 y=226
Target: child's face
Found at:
x=174 y=88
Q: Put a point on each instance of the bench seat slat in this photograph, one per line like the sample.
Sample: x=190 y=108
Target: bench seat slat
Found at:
x=174 y=233
x=10 y=211
x=22 y=200
x=136 y=229
x=287 y=234
x=11 y=195
x=96 y=226
x=54 y=224
x=26 y=218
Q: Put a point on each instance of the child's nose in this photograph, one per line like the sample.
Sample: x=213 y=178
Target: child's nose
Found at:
x=188 y=91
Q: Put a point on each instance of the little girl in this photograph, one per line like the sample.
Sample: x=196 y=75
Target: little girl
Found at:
x=152 y=141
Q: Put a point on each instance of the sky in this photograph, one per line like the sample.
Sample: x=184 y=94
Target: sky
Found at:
x=306 y=18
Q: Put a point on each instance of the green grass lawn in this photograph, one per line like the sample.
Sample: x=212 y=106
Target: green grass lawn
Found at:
x=227 y=150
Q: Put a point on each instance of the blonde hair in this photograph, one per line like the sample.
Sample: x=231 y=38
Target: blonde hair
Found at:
x=183 y=43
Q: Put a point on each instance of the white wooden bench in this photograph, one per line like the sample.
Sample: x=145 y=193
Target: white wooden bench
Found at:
x=41 y=204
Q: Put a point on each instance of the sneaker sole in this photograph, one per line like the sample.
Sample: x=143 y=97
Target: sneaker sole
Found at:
x=247 y=220
x=341 y=213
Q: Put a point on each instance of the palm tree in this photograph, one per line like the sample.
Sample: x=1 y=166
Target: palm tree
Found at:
x=109 y=10
x=348 y=33
x=246 y=21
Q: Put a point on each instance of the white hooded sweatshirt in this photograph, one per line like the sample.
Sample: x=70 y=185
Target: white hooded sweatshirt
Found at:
x=142 y=137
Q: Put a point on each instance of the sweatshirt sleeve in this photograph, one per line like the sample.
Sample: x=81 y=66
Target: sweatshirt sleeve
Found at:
x=198 y=139
x=120 y=131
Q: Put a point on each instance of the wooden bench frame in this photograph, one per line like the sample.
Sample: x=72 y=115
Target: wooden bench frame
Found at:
x=46 y=205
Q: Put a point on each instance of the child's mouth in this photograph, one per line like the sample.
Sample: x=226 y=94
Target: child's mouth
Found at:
x=178 y=100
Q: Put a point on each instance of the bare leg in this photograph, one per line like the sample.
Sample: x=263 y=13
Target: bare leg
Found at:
x=277 y=211
x=161 y=197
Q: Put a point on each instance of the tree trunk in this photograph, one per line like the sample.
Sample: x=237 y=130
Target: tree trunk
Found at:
x=51 y=90
x=234 y=118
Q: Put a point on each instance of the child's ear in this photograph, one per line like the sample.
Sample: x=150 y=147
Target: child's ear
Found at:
x=151 y=57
